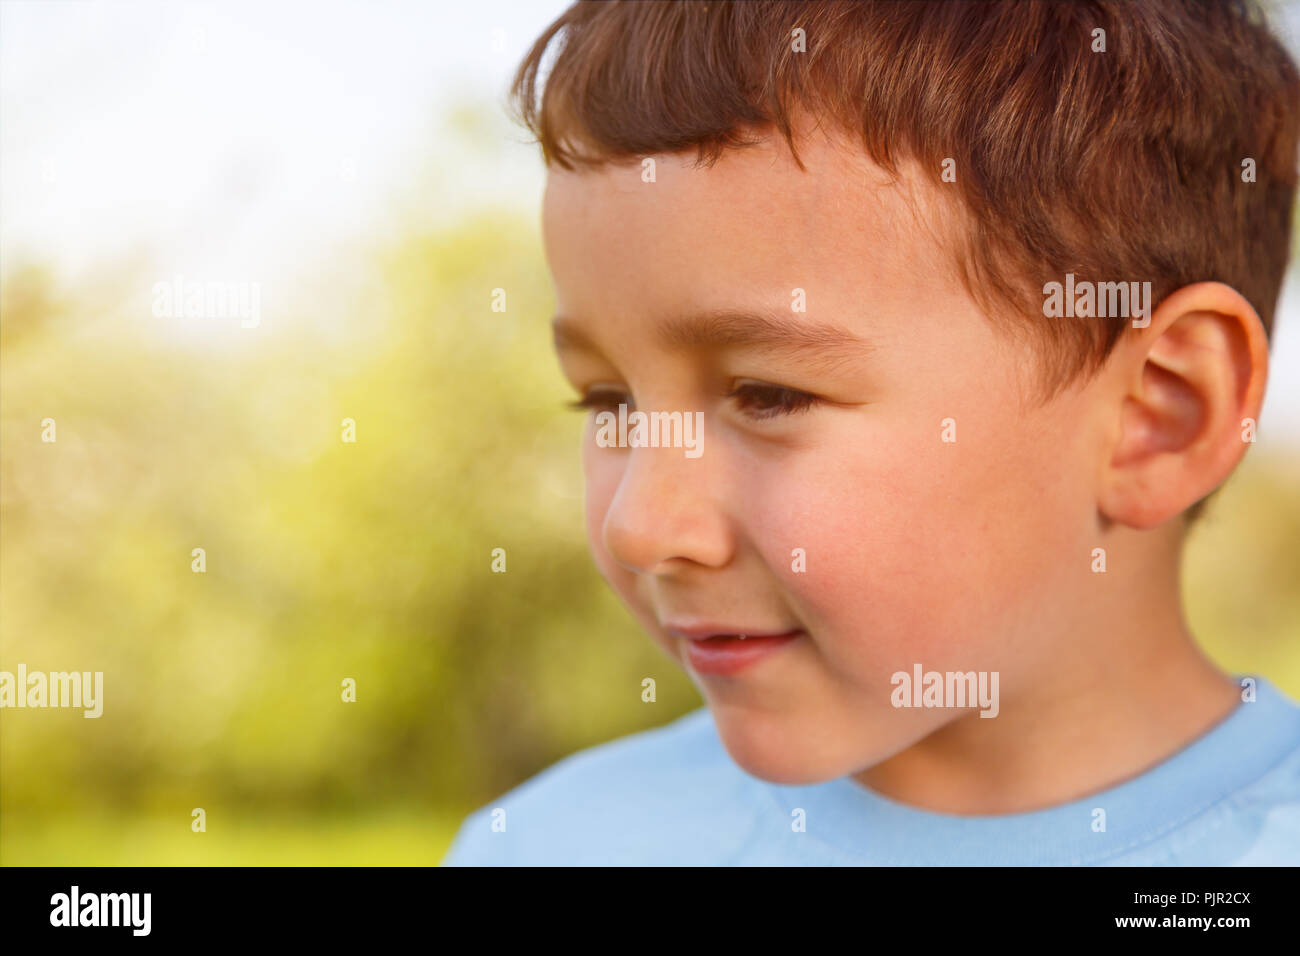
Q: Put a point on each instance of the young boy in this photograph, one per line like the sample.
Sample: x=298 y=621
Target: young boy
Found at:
x=972 y=304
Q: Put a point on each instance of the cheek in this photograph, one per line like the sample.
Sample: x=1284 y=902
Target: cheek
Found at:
x=870 y=564
x=909 y=540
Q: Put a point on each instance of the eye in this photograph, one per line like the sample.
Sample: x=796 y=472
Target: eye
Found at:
x=761 y=401
x=602 y=398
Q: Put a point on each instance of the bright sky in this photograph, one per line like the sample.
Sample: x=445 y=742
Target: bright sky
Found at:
x=217 y=131
x=233 y=138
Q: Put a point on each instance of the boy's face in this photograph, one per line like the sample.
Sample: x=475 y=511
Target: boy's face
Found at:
x=959 y=555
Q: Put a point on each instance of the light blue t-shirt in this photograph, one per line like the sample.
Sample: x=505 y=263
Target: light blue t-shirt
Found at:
x=672 y=796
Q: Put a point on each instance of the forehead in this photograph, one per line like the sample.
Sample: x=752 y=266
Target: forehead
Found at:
x=754 y=226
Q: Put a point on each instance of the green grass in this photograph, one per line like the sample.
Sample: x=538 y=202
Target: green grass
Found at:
x=395 y=837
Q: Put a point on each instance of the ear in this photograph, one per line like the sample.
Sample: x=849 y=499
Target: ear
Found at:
x=1186 y=383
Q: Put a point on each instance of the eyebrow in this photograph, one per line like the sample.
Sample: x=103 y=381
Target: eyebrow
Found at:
x=736 y=328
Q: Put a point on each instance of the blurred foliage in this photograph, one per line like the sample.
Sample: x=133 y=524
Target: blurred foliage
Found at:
x=325 y=559
x=328 y=560
x=1241 y=575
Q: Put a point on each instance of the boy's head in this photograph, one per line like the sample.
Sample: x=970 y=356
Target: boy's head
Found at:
x=843 y=254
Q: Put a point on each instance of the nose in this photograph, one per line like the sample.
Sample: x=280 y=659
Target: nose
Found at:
x=667 y=507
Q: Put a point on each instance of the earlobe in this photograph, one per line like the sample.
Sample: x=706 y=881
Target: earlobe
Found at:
x=1186 y=383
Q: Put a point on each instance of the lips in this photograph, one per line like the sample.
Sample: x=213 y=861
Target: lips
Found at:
x=726 y=650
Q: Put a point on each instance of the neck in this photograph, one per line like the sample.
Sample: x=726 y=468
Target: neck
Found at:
x=1127 y=688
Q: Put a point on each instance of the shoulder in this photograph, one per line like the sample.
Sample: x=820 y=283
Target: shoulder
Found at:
x=668 y=795
x=1256 y=823
x=1269 y=815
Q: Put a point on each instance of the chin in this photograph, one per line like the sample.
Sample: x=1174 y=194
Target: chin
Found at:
x=777 y=753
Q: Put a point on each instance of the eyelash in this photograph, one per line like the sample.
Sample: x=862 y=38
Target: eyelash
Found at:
x=780 y=400
x=775 y=401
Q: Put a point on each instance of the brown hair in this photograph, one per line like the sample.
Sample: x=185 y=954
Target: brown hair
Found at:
x=1119 y=165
